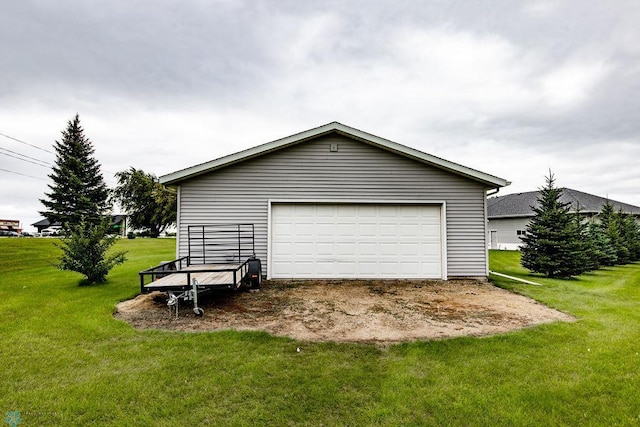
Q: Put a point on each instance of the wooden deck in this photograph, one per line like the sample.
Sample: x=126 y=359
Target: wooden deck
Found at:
x=205 y=274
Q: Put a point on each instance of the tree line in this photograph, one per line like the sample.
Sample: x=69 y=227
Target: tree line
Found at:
x=561 y=242
x=80 y=201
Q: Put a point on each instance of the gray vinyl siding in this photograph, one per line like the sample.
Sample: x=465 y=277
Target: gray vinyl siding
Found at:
x=357 y=171
x=507 y=231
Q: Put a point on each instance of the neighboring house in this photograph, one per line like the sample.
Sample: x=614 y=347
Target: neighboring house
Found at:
x=336 y=202
x=118 y=224
x=10 y=225
x=44 y=224
x=510 y=214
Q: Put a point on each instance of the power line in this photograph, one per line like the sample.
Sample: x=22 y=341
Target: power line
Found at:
x=46 y=164
x=25 y=156
x=23 y=174
x=35 y=146
x=24 y=160
x=26 y=143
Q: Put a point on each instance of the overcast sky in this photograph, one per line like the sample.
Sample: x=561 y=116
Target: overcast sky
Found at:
x=506 y=87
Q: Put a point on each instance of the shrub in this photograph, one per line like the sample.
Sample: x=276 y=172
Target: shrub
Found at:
x=84 y=250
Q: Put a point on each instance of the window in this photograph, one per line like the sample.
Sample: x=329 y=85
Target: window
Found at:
x=521 y=232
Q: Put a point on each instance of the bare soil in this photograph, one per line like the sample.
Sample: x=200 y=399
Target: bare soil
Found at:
x=380 y=311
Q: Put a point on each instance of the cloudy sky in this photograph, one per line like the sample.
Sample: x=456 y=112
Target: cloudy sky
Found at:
x=512 y=88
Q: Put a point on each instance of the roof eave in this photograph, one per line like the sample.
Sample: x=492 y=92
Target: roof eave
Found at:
x=487 y=179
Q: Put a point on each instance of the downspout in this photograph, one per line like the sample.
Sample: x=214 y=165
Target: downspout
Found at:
x=486 y=229
x=178 y=219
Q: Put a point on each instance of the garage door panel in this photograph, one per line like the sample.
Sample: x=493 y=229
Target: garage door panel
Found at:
x=346 y=249
x=306 y=249
x=324 y=266
x=389 y=249
x=368 y=249
x=325 y=249
x=325 y=229
x=410 y=268
x=347 y=211
x=345 y=229
x=357 y=240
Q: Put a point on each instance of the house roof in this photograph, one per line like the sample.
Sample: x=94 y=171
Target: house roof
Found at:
x=44 y=223
x=519 y=204
x=115 y=218
x=333 y=127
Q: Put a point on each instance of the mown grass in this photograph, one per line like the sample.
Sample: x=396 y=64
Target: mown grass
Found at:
x=66 y=361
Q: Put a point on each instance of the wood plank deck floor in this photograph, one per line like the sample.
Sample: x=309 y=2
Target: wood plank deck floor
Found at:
x=213 y=276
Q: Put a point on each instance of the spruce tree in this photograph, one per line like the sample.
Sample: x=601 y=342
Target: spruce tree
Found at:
x=79 y=201
x=552 y=245
x=85 y=250
x=583 y=248
x=628 y=235
x=633 y=233
x=78 y=191
x=602 y=252
x=611 y=226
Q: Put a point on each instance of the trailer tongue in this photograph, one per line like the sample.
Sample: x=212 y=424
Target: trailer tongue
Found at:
x=220 y=256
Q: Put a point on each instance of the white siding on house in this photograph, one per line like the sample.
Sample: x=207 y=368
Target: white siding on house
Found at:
x=357 y=171
x=506 y=232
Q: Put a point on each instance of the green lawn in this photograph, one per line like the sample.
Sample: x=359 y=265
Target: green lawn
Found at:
x=66 y=361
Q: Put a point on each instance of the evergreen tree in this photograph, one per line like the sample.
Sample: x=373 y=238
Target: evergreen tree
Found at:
x=149 y=204
x=79 y=201
x=611 y=226
x=551 y=244
x=78 y=191
x=629 y=234
x=602 y=252
x=584 y=248
x=84 y=250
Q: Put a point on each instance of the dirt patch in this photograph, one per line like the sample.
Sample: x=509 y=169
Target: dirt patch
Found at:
x=351 y=311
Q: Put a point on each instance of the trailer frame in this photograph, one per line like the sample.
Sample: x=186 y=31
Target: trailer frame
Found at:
x=220 y=256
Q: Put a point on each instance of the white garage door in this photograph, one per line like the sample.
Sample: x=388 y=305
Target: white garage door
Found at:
x=355 y=241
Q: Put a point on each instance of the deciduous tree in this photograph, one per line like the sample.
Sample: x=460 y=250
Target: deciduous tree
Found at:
x=149 y=205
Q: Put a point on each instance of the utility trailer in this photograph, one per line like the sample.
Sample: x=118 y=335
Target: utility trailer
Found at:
x=221 y=256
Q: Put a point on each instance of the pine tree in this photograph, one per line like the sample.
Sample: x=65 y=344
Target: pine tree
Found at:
x=634 y=237
x=79 y=201
x=78 y=191
x=552 y=245
x=602 y=252
x=611 y=226
x=629 y=233
x=584 y=250
x=84 y=250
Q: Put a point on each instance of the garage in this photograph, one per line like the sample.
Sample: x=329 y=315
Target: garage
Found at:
x=356 y=240
x=337 y=202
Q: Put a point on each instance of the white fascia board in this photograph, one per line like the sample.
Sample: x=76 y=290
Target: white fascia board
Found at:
x=490 y=180
x=456 y=168
x=240 y=156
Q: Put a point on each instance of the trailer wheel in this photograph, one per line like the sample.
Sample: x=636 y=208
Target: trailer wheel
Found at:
x=198 y=311
x=254 y=273
x=256 y=282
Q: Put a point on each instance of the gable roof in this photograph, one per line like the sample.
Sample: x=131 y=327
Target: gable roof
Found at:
x=333 y=127
x=519 y=204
